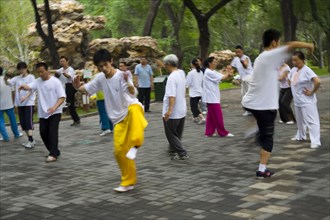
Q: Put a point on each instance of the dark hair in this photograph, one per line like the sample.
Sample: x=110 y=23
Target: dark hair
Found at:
x=21 y=65
x=42 y=64
x=270 y=35
x=208 y=61
x=1 y=71
x=299 y=54
x=239 y=47
x=195 y=63
x=123 y=62
x=64 y=57
x=102 y=55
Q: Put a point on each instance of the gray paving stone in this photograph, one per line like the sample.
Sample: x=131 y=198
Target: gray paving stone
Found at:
x=216 y=183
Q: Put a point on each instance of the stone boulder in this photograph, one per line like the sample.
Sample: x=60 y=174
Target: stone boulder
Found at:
x=223 y=57
x=71 y=28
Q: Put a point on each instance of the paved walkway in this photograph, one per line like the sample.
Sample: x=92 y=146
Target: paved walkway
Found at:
x=216 y=183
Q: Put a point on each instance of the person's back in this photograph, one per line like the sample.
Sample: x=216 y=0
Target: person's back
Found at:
x=6 y=101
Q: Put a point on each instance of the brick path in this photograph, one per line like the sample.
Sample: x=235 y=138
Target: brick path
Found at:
x=216 y=183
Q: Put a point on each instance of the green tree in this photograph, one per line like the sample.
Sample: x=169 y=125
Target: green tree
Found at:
x=14 y=29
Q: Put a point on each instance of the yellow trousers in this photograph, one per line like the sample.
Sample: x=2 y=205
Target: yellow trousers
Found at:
x=127 y=134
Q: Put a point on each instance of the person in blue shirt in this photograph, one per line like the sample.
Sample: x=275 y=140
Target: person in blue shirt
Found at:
x=143 y=77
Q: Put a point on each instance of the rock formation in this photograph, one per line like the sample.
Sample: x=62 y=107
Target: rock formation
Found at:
x=224 y=57
x=71 y=31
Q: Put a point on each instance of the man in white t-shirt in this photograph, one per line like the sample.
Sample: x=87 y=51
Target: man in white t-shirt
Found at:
x=174 y=107
x=66 y=75
x=262 y=97
x=51 y=95
x=125 y=112
x=243 y=65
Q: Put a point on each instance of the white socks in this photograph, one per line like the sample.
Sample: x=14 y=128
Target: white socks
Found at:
x=131 y=154
x=262 y=167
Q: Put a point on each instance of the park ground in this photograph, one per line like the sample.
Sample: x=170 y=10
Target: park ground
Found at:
x=217 y=182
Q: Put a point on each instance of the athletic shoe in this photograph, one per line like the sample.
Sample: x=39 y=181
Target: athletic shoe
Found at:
x=201 y=122
x=263 y=175
x=229 y=135
x=29 y=144
x=295 y=139
x=290 y=123
x=314 y=146
x=50 y=159
x=1 y=139
x=122 y=189
x=131 y=154
x=175 y=156
x=204 y=112
x=184 y=157
x=280 y=121
x=106 y=132
x=75 y=123
x=195 y=120
x=246 y=113
x=19 y=135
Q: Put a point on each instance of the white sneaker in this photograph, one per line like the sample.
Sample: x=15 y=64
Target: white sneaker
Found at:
x=1 y=139
x=131 y=154
x=290 y=123
x=29 y=144
x=201 y=122
x=106 y=132
x=121 y=189
x=246 y=113
x=314 y=146
x=280 y=121
x=204 y=112
x=230 y=135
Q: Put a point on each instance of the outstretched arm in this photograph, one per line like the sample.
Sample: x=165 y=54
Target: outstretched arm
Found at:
x=297 y=44
x=78 y=85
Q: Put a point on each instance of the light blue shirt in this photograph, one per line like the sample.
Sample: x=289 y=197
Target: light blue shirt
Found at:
x=144 y=74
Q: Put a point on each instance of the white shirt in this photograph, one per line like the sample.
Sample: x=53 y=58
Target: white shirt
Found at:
x=63 y=78
x=49 y=91
x=20 y=80
x=211 y=91
x=116 y=95
x=194 y=82
x=176 y=87
x=304 y=81
x=244 y=73
x=285 y=82
x=6 y=101
x=263 y=91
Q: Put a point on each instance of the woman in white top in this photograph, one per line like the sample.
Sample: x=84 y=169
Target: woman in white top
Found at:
x=304 y=84
x=24 y=100
x=211 y=95
x=286 y=113
x=194 y=82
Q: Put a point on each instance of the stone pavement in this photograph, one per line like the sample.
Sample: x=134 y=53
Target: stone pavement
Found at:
x=218 y=182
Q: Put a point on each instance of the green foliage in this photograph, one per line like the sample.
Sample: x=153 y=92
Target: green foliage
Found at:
x=15 y=16
x=319 y=71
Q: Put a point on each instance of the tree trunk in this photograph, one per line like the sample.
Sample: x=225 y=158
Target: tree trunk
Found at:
x=154 y=5
x=289 y=20
x=202 y=21
x=327 y=35
x=48 y=39
x=319 y=49
x=176 y=20
x=204 y=38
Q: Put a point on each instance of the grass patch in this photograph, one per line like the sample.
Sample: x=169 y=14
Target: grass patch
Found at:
x=319 y=71
x=227 y=85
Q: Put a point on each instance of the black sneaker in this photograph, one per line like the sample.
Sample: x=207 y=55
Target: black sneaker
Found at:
x=184 y=157
x=175 y=156
x=75 y=123
x=263 y=175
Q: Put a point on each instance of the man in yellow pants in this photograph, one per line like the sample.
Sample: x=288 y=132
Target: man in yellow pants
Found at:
x=125 y=112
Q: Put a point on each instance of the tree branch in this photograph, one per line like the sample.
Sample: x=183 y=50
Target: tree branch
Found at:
x=216 y=8
x=316 y=16
x=38 y=21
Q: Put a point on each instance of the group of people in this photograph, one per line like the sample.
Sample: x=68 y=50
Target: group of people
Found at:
x=122 y=112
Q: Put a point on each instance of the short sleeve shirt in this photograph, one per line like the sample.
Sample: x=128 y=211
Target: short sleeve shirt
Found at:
x=301 y=80
x=211 y=91
x=243 y=72
x=143 y=73
x=18 y=81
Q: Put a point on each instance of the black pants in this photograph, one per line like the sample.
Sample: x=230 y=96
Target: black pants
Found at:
x=25 y=114
x=286 y=113
x=70 y=94
x=144 y=97
x=266 y=124
x=173 y=131
x=49 y=133
x=194 y=106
